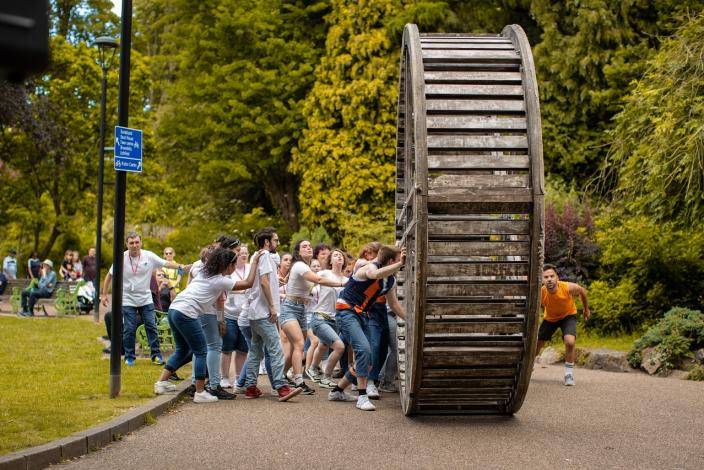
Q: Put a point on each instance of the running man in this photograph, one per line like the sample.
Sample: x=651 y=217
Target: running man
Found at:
x=560 y=311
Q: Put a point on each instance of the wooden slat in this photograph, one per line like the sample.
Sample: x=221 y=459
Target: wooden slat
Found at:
x=477 y=248
x=472 y=77
x=473 y=106
x=478 y=269
x=496 y=327
x=440 y=291
x=458 y=388
x=464 y=45
x=469 y=372
x=438 y=228
x=470 y=55
x=471 y=67
x=473 y=90
x=478 y=181
x=478 y=162
x=474 y=309
x=468 y=356
x=487 y=142
x=476 y=123
x=464 y=39
x=486 y=196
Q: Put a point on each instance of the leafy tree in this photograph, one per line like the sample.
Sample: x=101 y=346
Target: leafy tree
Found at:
x=346 y=156
x=657 y=154
x=590 y=52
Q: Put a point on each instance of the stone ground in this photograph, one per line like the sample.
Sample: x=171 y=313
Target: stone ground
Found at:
x=609 y=420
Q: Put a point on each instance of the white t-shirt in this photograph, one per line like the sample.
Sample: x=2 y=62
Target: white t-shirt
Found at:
x=324 y=298
x=257 y=306
x=236 y=299
x=196 y=268
x=297 y=286
x=137 y=277
x=198 y=297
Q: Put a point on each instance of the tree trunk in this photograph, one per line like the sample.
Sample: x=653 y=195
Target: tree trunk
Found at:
x=55 y=232
x=282 y=193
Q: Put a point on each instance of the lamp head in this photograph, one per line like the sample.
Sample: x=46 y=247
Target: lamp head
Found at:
x=107 y=47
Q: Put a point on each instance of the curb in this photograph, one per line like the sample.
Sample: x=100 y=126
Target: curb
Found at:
x=90 y=440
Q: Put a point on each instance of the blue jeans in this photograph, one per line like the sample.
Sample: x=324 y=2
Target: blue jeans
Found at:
x=378 y=338
x=129 y=317
x=213 y=339
x=265 y=335
x=188 y=339
x=247 y=333
x=354 y=327
x=31 y=296
x=390 y=369
x=233 y=340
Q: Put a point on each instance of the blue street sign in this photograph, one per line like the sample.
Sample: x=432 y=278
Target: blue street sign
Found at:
x=128 y=149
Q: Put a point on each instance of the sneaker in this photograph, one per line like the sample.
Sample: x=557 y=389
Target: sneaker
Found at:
x=327 y=382
x=253 y=392
x=306 y=389
x=26 y=313
x=129 y=362
x=225 y=383
x=313 y=374
x=175 y=378
x=220 y=393
x=204 y=397
x=388 y=388
x=237 y=390
x=364 y=404
x=190 y=390
x=337 y=374
x=286 y=392
x=289 y=375
x=372 y=391
x=158 y=360
x=569 y=380
x=354 y=387
x=164 y=386
x=274 y=392
x=339 y=396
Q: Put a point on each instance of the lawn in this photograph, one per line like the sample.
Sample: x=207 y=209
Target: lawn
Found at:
x=590 y=340
x=55 y=381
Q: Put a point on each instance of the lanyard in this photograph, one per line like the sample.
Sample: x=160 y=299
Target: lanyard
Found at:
x=134 y=267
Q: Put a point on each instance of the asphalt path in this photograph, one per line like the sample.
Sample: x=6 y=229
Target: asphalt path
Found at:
x=608 y=420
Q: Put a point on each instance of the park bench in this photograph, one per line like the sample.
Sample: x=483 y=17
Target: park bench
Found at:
x=166 y=339
x=64 y=298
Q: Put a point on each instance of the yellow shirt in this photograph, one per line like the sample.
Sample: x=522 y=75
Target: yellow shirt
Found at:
x=558 y=305
x=172 y=274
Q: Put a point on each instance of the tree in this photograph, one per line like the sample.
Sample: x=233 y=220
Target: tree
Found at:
x=657 y=155
x=590 y=52
x=346 y=157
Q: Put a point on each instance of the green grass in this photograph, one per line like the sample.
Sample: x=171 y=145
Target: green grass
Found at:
x=54 y=381
x=589 y=340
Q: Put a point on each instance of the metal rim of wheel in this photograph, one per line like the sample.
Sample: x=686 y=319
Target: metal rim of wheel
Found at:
x=469 y=209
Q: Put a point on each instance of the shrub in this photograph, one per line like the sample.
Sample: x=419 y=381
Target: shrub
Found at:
x=696 y=374
x=673 y=338
x=614 y=307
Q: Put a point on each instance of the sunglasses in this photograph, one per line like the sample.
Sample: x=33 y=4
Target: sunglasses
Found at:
x=168 y=253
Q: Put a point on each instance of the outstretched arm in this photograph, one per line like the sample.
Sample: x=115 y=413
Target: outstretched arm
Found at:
x=249 y=282
x=310 y=276
x=576 y=289
x=372 y=272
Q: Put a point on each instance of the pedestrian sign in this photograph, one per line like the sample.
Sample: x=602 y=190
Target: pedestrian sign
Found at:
x=128 y=149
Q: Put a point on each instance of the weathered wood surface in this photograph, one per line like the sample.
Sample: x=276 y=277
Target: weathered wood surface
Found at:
x=477 y=162
x=486 y=106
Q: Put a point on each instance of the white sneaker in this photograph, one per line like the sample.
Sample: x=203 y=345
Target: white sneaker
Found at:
x=164 y=386
x=339 y=396
x=274 y=392
x=204 y=397
x=327 y=382
x=372 y=392
x=569 y=380
x=353 y=388
x=225 y=383
x=364 y=404
x=239 y=390
x=289 y=375
x=313 y=375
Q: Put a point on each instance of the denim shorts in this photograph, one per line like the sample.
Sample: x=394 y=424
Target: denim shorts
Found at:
x=234 y=339
x=290 y=311
x=326 y=330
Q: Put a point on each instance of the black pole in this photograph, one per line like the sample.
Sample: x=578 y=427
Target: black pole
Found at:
x=99 y=216
x=120 y=190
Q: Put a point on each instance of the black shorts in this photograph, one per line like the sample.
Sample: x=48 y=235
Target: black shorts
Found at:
x=568 y=325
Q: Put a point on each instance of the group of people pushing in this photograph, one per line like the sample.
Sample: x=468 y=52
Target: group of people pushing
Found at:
x=231 y=304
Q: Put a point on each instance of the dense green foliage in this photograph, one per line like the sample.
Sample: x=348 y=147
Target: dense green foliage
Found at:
x=676 y=336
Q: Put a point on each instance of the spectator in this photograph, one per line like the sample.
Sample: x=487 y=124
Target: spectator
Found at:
x=163 y=289
x=77 y=265
x=42 y=291
x=69 y=274
x=3 y=282
x=90 y=272
x=170 y=274
x=68 y=258
x=34 y=266
x=9 y=265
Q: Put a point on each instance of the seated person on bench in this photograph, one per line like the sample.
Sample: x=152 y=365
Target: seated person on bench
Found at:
x=42 y=291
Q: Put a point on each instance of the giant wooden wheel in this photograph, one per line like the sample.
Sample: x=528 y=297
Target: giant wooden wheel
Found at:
x=469 y=208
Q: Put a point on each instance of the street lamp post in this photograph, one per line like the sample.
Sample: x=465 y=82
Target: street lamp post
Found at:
x=107 y=47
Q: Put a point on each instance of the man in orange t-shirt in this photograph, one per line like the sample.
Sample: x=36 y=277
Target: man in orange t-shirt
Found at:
x=560 y=311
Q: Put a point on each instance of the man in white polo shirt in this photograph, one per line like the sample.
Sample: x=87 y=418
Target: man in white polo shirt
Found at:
x=138 y=265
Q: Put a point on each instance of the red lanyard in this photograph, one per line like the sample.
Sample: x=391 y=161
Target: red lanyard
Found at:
x=133 y=267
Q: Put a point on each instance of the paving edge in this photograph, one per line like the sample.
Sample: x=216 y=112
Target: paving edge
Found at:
x=92 y=439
